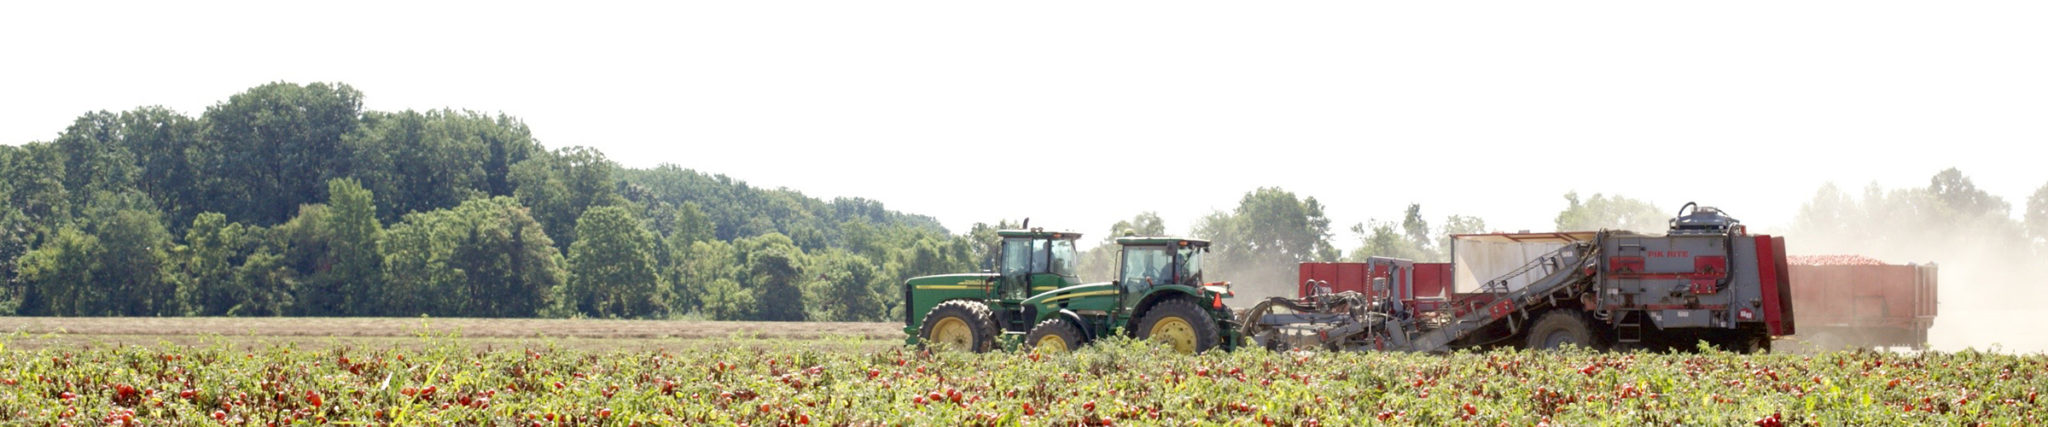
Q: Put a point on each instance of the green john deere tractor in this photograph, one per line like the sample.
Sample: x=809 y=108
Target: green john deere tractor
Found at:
x=1034 y=300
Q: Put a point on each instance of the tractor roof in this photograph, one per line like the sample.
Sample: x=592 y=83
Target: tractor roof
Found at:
x=1159 y=240
x=1039 y=232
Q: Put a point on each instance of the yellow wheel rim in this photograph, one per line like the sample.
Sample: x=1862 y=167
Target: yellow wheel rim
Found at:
x=1050 y=344
x=1176 y=332
x=952 y=333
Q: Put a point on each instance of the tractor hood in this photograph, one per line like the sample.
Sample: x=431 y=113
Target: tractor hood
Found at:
x=963 y=281
x=1071 y=292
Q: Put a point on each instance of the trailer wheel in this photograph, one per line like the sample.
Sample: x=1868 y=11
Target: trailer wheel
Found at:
x=1180 y=324
x=959 y=325
x=1563 y=326
x=1053 y=336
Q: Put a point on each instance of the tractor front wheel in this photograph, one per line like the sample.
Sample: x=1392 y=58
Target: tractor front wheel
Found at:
x=959 y=325
x=1182 y=325
x=1053 y=336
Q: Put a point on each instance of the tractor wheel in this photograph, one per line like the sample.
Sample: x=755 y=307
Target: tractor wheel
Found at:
x=959 y=325
x=1180 y=324
x=1564 y=326
x=1054 y=336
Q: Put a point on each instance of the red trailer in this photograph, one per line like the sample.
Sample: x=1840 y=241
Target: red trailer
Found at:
x=1855 y=301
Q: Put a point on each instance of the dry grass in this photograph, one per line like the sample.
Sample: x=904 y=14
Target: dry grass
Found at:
x=41 y=332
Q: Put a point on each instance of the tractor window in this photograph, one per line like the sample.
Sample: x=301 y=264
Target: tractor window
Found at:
x=1191 y=266
x=1063 y=258
x=1146 y=265
x=1016 y=257
x=1038 y=258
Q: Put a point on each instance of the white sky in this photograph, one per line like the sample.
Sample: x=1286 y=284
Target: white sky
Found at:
x=978 y=111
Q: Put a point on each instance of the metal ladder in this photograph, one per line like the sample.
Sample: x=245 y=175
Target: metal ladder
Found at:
x=1628 y=329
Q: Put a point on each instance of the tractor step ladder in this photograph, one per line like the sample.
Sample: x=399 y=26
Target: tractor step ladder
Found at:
x=1559 y=268
x=1628 y=329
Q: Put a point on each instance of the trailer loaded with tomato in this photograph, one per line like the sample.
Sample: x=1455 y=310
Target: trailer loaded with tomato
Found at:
x=1857 y=301
x=1706 y=279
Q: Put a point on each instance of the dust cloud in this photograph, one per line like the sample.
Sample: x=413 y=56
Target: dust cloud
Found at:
x=1255 y=281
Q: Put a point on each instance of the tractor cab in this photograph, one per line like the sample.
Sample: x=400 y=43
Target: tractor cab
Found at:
x=1150 y=262
x=1035 y=261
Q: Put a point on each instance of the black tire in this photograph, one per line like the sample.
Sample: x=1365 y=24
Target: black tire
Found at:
x=981 y=327
x=1205 y=336
x=1750 y=342
x=1565 y=326
x=1068 y=335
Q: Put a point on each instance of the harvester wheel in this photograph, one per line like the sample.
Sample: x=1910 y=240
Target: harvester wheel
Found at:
x=959 y=325
x=1564 y=326
x=1180 y=324
x=1747 y=342
x=1053 y=336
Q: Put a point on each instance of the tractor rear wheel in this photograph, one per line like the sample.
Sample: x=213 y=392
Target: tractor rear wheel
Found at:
x=1564 y=326
x=1182 y=325
x=959 y=325
x=1054 y=336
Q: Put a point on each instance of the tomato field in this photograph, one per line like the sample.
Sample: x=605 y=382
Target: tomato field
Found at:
x=1115 y=382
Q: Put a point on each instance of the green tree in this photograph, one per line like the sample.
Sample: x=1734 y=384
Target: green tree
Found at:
x=35 y=173
x=510 y=265
x=418 y=274
x=559 y=187
x=612 y=268
x=271 y=284
x=1962 y=197
x=774 y=271
x=61 y=277
x=437 y=159
x=355 y=267
x=710 y=282
x=690 y=227
x=1459 y=224
x=134 y=272
x=213 y=249
x=96 y=160
x=484 y=258
x=272 y=148
x=1611 y=212
x=1385 y=239
x=159 y=139
x=302 y=248
x=15 y=241
x=1412 y=238
x=843 y=289
x=1263 y=240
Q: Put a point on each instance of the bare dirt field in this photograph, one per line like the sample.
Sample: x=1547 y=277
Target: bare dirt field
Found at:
x=37 y=332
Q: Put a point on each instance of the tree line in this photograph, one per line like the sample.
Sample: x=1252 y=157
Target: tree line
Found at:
x=291 y=200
